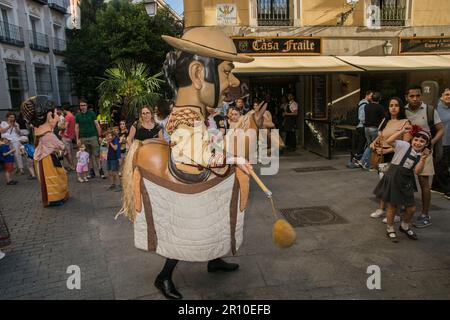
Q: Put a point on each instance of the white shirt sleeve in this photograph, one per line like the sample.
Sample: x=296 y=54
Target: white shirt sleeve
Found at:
x=400 y=145
x=294 y=107
x=437 y=119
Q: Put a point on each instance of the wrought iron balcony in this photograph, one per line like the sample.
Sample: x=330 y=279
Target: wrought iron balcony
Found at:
x=11 y=34
x=393 y=12
x=59 y=46
x=38 y=41
x=273 y=13
x=41 y=1
x=58 y=5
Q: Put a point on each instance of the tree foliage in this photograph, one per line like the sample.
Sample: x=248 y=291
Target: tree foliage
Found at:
x=130 y=85
x=113 y=31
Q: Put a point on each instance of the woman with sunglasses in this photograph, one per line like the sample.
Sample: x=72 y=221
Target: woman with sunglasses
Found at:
x=145 y=128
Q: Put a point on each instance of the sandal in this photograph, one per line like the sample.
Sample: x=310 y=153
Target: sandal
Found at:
x=392 y=236
x=409 y=233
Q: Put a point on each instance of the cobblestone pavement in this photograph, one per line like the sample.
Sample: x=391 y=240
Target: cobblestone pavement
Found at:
x=326 y=262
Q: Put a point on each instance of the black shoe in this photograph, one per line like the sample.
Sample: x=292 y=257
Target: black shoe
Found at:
x=102 y=174
x=409 y=233
x=91 y=174
x=220 y=265
x=168 y=289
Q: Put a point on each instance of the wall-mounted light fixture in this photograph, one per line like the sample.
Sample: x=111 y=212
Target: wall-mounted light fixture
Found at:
x=341 y=18
x=387 y=48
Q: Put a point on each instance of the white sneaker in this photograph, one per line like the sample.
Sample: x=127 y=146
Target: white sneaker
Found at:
x=80 y=180
x=86 y=180
x=396 y=219
x=2 y=254
x=377 y=213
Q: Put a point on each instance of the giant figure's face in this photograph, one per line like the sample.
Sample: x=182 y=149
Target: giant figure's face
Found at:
x=226 y=80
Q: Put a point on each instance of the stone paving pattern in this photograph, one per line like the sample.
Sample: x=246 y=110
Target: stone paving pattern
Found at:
x=326 y=262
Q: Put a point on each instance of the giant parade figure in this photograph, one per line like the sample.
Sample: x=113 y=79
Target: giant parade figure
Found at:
x=187 y=198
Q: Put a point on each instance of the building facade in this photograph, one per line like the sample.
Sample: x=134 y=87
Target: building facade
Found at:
x=329 y=52
x=32 y=45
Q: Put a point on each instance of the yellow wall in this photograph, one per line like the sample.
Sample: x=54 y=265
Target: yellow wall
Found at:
x=431 y=12
x=203 y=12
x=325 y=12
x=318 y=12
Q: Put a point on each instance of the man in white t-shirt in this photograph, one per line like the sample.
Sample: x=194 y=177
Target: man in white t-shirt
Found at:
x=417 y=113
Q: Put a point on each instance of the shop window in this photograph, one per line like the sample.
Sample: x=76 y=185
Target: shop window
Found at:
x=274 y=13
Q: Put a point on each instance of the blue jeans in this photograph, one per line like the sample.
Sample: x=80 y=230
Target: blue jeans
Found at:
x=371 y=135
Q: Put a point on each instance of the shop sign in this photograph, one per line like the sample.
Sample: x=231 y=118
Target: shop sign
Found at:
x=278 y=46
x=424 y=45
x=226 y=14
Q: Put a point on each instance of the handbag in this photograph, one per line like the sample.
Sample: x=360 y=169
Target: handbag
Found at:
x=375 y=158
x=5 y=236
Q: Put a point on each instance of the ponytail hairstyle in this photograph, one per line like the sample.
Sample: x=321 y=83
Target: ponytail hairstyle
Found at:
x=35 y=110
x=176 y=71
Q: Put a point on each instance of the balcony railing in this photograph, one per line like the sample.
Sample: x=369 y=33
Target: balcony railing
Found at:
x=11 y=34
x=59 y=46
x=58 y=5
x=273 y=13
x=41 y=1
x=393 y=12
x=38 y=41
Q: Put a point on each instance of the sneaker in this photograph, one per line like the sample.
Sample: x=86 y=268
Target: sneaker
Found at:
x=102 y=174
x=91 y=174
x=80 y=180
x=397 y=219
x=12 y=183
x=86 y=180
x=377 y=213
x=2 y=254
x=112 y=187
x=422 y=221
x=447 y=196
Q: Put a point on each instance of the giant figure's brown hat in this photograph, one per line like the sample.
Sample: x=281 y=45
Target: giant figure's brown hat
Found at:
x=207 y=42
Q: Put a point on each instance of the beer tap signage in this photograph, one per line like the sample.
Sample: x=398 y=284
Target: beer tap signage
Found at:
x=294 y=46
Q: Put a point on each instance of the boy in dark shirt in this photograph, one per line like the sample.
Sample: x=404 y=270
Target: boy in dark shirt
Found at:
x=7 y=157
x=112 y=161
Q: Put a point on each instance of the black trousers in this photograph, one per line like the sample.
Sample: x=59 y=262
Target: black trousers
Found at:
x=291 y=139
x=360 y=142
x=441 y=179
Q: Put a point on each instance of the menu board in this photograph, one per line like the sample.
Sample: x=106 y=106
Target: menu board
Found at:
x=319 y=97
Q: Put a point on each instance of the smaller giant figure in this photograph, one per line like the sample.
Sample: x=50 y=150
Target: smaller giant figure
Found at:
x=40 y=114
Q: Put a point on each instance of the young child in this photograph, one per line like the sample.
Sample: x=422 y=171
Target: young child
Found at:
x=27 y=150
x=7 y=154
x=113 y=160
x=103 y=157
x=397 y=185
x=123 y=135
x=82 y=164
